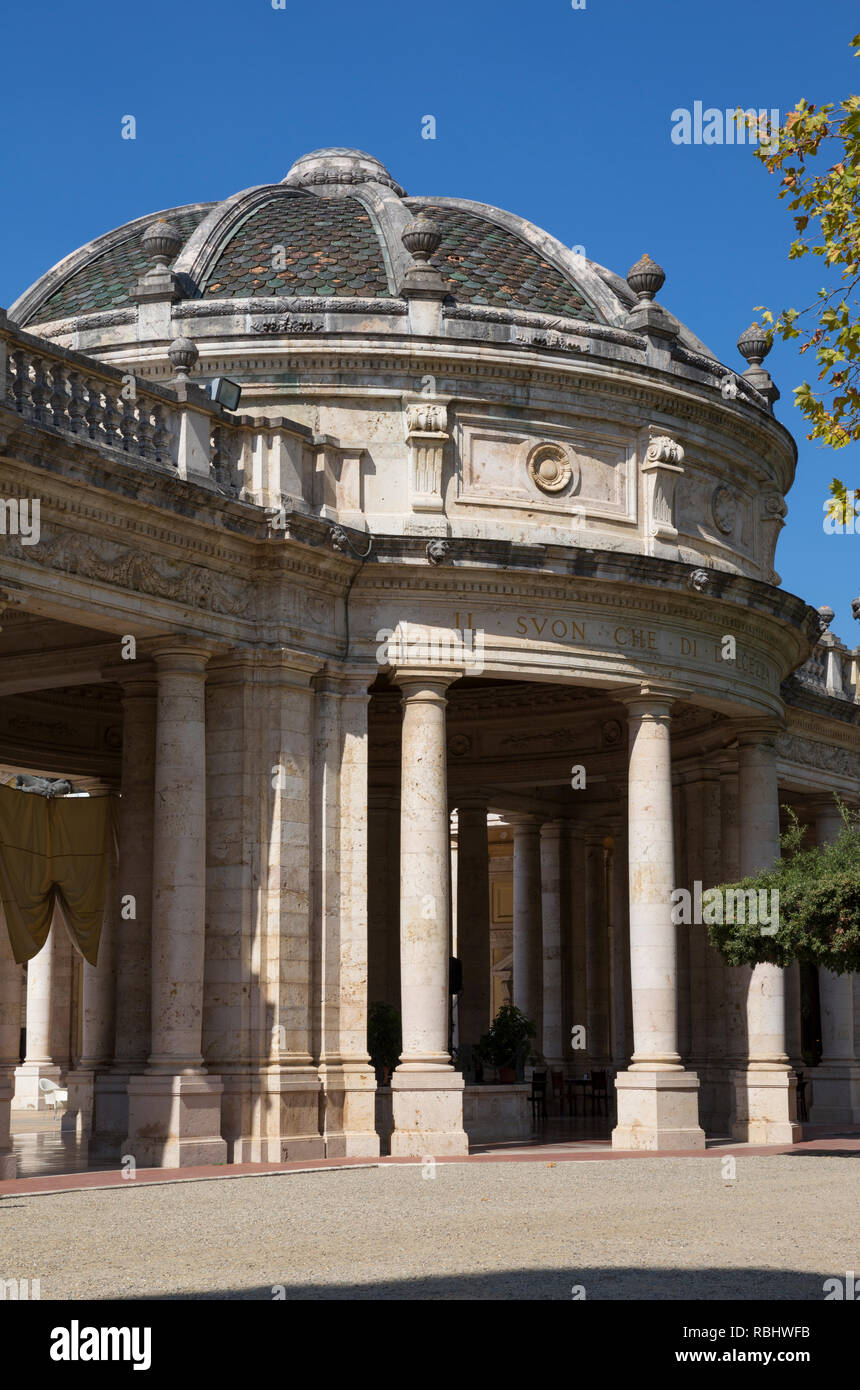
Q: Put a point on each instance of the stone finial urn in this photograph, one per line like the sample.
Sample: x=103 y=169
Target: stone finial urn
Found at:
x=421 y=237
x=753 y=344
x=825 y=617
x=183 y=355
x=162 y=241
x=646 y=278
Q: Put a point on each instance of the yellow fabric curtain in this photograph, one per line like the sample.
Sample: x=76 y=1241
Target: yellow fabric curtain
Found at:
x=54 y=851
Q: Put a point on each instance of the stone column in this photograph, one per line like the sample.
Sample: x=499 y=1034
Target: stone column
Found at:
x=657 y=1098
x=765 y=1100
x=701 y=790
x=527 y=918
x=619 y=950
x=552 y=1038
x=736 y=977
x=133 y=896
x=65 y=983
x=174 y=1107
x=269 y=802
x=836 y=1080
x=383 y=897
x=98 y=1022
x=596 y=949
x=473 y=919
x=577 y=1043
x=10 y=1040
x=427 y=1093
x=39 y=1059
x=340 y=915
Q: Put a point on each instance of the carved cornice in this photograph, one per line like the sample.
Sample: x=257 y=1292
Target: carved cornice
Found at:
x=134 y=569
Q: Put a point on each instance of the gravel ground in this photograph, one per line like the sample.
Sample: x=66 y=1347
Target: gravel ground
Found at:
x=650 y=1229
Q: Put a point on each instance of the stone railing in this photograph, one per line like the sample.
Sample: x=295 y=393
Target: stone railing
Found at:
x=273 y=462
x=832 y=669
x=54 y=388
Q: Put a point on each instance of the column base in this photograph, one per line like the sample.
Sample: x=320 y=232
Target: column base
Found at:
x=428 y=1114
x=658 y=1110
x=835 y=1093
x=271 y=1115
x=27 y=1077
x=78 y=1115
x=175 y=1121
x=8 y=1160
x=764 y=1106
x=349 y=1111
x=110 y=1114
x=715 y=1098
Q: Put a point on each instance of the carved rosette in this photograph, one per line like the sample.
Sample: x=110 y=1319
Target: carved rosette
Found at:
x=426 y=421
x=549 y=467
x=661 y=469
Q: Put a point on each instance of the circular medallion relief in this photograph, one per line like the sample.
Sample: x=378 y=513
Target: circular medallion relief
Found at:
x=549 y=467
x=724 y=509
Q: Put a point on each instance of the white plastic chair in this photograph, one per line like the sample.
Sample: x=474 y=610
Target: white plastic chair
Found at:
x=54 y=1094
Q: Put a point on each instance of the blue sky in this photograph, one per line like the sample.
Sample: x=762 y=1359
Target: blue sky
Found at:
x=561 y=115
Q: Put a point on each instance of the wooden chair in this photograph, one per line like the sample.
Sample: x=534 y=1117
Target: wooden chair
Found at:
x=538 y=1096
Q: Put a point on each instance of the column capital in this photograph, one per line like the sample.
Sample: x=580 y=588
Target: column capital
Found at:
x=474 y=806
x=182 y=658
x=552 y=829
x=651 y=694
x=419 y=683
x=757 y=731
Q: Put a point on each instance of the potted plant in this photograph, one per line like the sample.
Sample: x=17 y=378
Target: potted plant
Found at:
x=507 y=1043
x=384 y=1040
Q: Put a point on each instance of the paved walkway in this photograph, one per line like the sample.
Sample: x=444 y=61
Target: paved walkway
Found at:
x=50 y=1162
x=526 y=1227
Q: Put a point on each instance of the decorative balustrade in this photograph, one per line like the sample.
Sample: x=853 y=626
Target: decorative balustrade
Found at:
x=103 y=408
x=51 y=387
x=832 y=669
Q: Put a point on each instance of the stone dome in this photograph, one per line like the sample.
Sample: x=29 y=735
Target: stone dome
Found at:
x=332 y=230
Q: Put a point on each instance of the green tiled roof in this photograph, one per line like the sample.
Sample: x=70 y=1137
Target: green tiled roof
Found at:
x=330 y=247
x=106 y=281
x=488 y=265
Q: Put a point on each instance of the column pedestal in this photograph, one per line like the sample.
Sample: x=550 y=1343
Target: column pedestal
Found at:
x=350 y=1111
x=8 y=1160
x=175 y=1121
x=110 y=1114
x=765 y=1103
x=657 y=1110
x=835 y=1094
x=271 y=1116
x=428 y=1114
